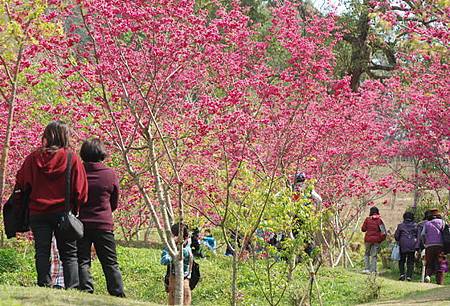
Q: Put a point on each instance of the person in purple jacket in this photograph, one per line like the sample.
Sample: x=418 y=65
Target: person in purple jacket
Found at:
x=406 y=236
x=432 y=237
x=96 y=215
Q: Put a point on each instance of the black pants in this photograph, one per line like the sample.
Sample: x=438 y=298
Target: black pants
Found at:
x=407 y=258
x=43 y=228
x=105 y=247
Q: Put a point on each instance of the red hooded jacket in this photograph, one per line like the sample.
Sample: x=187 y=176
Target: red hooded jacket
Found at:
x=373 y=226
x=44 y=172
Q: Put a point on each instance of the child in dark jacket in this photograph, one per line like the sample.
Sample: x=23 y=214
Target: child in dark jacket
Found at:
x=443 y=267
x=375 y=231
x=406 y=236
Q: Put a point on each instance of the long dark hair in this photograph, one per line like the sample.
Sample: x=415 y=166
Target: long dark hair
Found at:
x=57 y=135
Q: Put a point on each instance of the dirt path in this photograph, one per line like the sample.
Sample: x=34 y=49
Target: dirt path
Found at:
x=436 y=296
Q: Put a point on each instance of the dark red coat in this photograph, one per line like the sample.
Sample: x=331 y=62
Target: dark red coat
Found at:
x=44 y=172
x=372 y=227
x=102 y=199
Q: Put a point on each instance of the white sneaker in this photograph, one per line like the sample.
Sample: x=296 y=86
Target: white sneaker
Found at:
x=427 y=279
x=365 y=271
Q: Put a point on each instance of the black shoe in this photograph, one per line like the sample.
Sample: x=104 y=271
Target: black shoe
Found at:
x=57 y=287
x=402 y=278
x=408 y=279
x=121 y=295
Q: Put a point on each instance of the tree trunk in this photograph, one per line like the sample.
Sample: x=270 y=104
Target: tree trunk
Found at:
x=5 y=149
x=394 y=194
x=360 y=51
x=234 y=291
x=416 y=184
x=179 y=278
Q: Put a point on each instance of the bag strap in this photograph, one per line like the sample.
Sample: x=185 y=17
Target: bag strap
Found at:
x=68 y=172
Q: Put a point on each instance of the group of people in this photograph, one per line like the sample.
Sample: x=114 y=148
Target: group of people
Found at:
x=198 y=241
x=424 y=240
x=94 y=194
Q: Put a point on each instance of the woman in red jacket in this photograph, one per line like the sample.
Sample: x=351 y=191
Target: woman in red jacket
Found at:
x=375 y=231
x=43 y=172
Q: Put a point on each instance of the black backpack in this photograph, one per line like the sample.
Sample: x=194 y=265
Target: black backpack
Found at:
x=446 y=239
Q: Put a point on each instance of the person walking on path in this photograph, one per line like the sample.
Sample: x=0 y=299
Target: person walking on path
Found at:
x=96 y=216
x=375 y=231
x=406 y=237
x=43 y=172
x=432 y=238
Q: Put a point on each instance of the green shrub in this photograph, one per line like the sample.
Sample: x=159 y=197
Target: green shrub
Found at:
x=10 y=261
x=17 y=267
x=372 y=289
x=426 y=202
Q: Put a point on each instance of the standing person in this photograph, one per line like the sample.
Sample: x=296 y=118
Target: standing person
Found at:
x=432 y=237
x=195 y=244
x=375 y=231
x=406 y=236
x=43 y=172
x=210 y=241
x=56 y=269
x=420 y=247
x=188 y=260
x=299 y=188
x=96 y=216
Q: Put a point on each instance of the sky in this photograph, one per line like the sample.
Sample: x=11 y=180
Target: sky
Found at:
x=324 y=5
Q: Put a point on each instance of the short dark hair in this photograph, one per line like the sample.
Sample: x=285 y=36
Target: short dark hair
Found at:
x=374 y=211
x=93 y=150
x=408 y=215
x=176 y=227
x=57 y=135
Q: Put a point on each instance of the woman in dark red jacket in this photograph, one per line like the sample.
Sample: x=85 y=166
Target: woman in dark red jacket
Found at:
x=375 y=231
x=43 y=171
x=96 y=216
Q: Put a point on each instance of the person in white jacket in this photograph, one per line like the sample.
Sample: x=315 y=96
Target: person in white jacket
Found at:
x=299 y=185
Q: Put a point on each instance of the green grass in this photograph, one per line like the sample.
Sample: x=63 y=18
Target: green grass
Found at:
x=143 y=279
x=15 y=296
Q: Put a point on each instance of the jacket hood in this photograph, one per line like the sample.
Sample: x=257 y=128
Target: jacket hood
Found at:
x=51 y=163
x=437 y=222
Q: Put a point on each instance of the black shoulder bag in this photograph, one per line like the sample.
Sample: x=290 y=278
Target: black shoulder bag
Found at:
x=69 y=226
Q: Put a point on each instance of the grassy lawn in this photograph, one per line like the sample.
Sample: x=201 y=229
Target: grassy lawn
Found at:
x=12 y=296
x=143 y=279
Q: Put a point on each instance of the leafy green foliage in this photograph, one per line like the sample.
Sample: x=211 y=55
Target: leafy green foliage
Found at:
x=427 y=202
